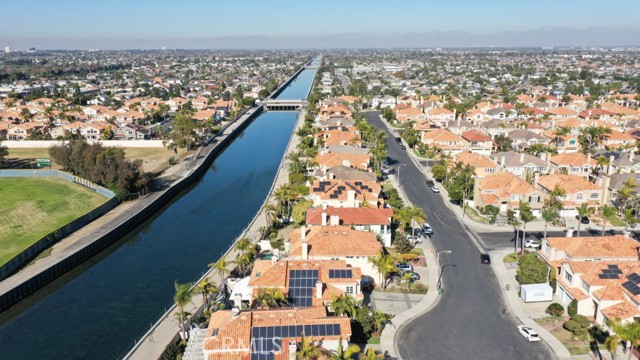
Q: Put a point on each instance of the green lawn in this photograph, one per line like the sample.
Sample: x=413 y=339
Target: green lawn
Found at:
x=475 y=216
x=34 y=207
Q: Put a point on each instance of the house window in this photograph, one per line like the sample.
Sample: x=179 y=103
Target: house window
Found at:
x=542 y=169
x=568 y=277
x=515 y=197
x=579 y=197
x=349 y=290
x=585 y=286
x=594 y=195
x=575 y=169
x=534 y=198
x=489 y=170
x=585 y=169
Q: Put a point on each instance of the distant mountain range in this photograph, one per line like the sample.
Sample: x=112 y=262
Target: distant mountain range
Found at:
x=542 y=37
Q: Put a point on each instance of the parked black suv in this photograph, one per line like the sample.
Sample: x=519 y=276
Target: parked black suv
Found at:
x=485 y=258
x=430 y=183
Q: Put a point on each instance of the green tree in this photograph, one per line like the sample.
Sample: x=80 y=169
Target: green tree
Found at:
x=531 y=270
x=308 y=350
x=555 y=310
x=182 y=297
x=243 y=262
x=439 y=172
x=503 y=143
x=344 y=305
x=629 y=331
x=611 y=343
x=561 y=132
x=268 y=298
x=408 y=279
x=299 y=212
x=4 y=152
x=550 y=215
x=629 y=218
x=384 y=264
x=206 y=289
x=221 y=267
x=526 y=216
x=607 y=212
x=344 y=354
x=183 y=130
x=583 y=210
x=370 y=354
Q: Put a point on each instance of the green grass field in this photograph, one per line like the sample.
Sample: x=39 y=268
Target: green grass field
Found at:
x=30 y=208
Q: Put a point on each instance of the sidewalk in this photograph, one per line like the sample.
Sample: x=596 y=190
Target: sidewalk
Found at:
x=515 y=304
x=387 y=338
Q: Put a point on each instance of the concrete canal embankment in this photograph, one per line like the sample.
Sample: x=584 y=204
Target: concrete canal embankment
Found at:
x=26 y=282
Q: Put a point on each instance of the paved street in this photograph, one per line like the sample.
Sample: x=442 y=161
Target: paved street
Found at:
x=467 y=322
x=505 y=240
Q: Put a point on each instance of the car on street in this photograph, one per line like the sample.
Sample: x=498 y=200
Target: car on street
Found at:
x=531 y=243
x=435 y=189
x=430 y=183
x=426 y=229
x=403 y=147
x=528 y=333
x=584 y=219
x=485 y=258
x=404 y=267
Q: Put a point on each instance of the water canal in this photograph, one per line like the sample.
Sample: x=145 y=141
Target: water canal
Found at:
x=101 y=308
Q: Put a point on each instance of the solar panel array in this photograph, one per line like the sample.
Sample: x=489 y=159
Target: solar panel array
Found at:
x=611 y=272
x=267 y=340
x=632 y=284
x=301 y=284
x=341 y=274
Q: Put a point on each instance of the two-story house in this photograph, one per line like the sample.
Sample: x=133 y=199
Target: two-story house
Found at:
x=575 y=163
x=483 y=165
x=506 y=191
x=376 y=220
x=577 y=190
x=520 y=164
x=444 y=139
x=477 y=142
x=346 y=193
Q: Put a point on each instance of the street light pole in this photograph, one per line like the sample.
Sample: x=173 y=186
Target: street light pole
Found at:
x=399 y=166
x=438 y=267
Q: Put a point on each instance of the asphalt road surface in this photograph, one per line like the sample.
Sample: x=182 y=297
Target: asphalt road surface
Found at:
x=467 y=322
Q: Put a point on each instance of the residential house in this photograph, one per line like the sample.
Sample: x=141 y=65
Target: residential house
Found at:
x=506 y=191
x=343 y=136
x=329 y=159
x=477 y=142
x=521 y=164
x=524 y=139
x=573 y=164
x=615 y=182
x=410 y=114
x=482 y=164
x=336 y=243
x=271 y=334
x=577 y=189
x=346 y=193
x=444 y=139
x=376 y=220
x=132 y=132
x=617 y=139
x=24 y=131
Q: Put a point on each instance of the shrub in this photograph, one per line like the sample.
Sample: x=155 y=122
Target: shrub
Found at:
x=582 y=320
x=402 y=244
x=172 y=351
x=420 y=287
x=555 y=309
x=571 y=325
x=409 y=257
x=572 y=309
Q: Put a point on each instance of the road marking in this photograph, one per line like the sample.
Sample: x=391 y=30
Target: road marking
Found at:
x=446 y=225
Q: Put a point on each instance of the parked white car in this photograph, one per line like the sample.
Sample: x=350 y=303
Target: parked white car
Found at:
x=528 y=333
x=531 y=243
x=435 y=189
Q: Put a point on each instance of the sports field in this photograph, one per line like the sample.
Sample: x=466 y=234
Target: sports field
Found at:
x=30 y=208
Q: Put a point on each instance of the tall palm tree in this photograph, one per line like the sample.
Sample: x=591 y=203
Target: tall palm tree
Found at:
x=627 y=192
x=344 y=305
x=243 y=244
x=220 y=267
x=555 y=197
x=384 y=264
x=206 y=288
x=583 y=210
x=243 y=262
x=629 y=332
x=344 y=354
x=607 y=212
x=526 y=216
x=408 y=279
x=611 y=343
x=379 y=319
x=550 y=216
x=182 y=297
x=560 y=132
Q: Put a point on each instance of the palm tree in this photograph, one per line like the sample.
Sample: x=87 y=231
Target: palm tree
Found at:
x=220 y=267
x=269 y=298
x=344 y=305
x=182 y=297
x=308 y=350
x=243 y=262
x=342 y=354
x=629 y=332
x=560 y=132
x=379 y=319
x=243 y=244
x=583 y=210
x=627 y=192
x=408 y=279
x=555 y=197
x=384 y=264
x=206 y=288
x=611 y=343
x=525 y=216
x=550 y=216
x=410 y=214
x=629 y=218
x=607 y=212
x=371 y=355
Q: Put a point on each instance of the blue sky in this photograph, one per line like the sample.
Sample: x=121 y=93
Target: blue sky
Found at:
x=55 y=20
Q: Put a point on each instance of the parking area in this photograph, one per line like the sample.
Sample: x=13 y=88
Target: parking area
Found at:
x=394 y=303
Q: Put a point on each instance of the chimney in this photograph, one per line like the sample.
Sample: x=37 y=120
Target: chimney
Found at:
x=570 y=232
x=521 y=157
x=543 y=156
x=235 y=311
x=318 y=289
x=324 y=206
x=588 y=158
x=502 y=160
x=536 y=177
x=303 y=232
x=293 y=346
x=237 y=301
x=631 y=155
x=610 y=166
x=351 y=197
x=305 y=244
x=335 y=220
x=324 y=218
